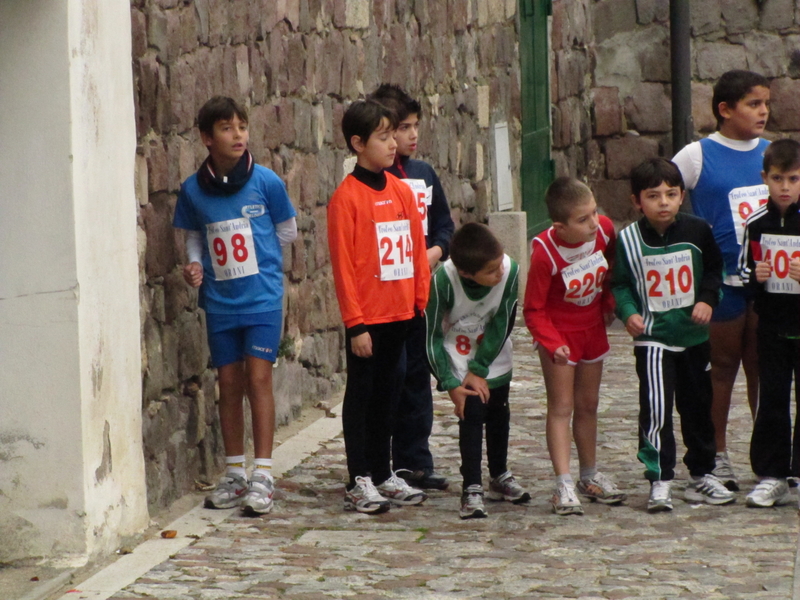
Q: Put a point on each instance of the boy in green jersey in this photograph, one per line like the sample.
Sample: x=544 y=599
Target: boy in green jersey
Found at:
x=666 y=284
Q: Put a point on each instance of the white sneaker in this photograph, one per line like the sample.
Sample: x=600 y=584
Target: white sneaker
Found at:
x=708 y=489
x=565 y=500
x=600 y=488
x=723 y=470
x=257 y=500
x=660 y=496
x=228 y=493
x=364 y=498
x=769 y=492
x=396 y=489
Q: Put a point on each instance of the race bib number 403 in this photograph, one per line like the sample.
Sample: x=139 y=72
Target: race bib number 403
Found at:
x=423 y=195
x=584 y=279
x=743 y=202
x=779 y=250
x=395 y=250
x=233 y=253
x=670 y=280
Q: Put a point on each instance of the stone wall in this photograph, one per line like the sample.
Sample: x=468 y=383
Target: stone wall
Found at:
x=611 y=73
x=296 y=64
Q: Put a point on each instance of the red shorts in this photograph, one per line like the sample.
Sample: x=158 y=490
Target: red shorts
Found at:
x=587 y=345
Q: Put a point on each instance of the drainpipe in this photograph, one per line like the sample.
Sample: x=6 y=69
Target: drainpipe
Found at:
x=681 y=71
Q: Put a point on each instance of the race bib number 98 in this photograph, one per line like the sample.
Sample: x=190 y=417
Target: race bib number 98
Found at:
x=779 y=250
x=743 y=201
x=395 y=250
x=584 y=279
x=233 y=253
x=423 y=195
x=670 y=280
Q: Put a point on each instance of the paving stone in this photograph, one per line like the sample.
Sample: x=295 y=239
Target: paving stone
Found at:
x=308 y=548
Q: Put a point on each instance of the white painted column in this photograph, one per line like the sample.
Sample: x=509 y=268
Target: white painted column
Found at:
x=71 y=464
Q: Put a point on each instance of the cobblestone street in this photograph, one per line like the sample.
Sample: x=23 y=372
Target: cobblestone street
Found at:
x=310 y=549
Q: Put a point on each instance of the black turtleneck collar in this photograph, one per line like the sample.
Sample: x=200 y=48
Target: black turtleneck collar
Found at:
x=231 y=183
x=376 y=181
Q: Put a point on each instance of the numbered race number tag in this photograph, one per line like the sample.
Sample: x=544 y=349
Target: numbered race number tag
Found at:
x=743 y=201
x=584 y=279
x=779 y=250
x=423 y=195
x=395 y=250
x=233 y=253
x=670 y=280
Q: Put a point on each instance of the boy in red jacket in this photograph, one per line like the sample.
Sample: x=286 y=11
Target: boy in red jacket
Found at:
x=382 y=275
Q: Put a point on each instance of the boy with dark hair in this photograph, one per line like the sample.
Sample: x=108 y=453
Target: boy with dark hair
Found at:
x=237 y=216
x=770 y=266
x=666 y=283
x=414 y=414
x=382 y=278
x=722 y=173
x=473 y=303
x=568 y=306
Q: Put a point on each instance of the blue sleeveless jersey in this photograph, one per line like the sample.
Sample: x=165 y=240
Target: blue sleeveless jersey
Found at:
x=728 y=190
x=242 y=256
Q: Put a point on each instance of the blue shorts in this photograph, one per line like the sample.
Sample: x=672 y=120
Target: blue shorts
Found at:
x=733 y=303
x=231 y=337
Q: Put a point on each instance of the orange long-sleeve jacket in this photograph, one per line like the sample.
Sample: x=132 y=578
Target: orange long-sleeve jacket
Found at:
x=359 y=257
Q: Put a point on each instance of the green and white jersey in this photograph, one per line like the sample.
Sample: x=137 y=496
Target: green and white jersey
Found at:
x=468 y=326
x=663 y=277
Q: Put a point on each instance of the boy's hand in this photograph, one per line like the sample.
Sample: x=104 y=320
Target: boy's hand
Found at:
x=635 y=325
x=608 y=318
x=794 y=269
x=763 y=271
x=361 y=345
x=434 y=254
x=561 y=355
x=477 y=386
x=701 y=313
x=193 y=274
x=459 y=397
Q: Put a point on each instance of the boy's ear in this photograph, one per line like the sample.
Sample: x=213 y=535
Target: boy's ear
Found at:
x=206 y=138
x=725 y=109
x=357 y=144
x=764 y=177
x=636 y=202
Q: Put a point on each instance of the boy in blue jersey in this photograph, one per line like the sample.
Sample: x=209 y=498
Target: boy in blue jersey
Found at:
x=723 y=174
x=237 y=216
x=413 y=419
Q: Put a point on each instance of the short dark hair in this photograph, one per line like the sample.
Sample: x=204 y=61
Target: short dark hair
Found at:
x=563 y=195
x=652 y=172
x=219 y=108
x=363 y=117
x=784 y=155
x=397 y=99
x=732 y=87
x=473 y=246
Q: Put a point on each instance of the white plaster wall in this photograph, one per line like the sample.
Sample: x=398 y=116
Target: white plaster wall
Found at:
x=69 y=348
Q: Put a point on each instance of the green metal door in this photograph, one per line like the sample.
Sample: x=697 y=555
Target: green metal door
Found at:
x=537 y=169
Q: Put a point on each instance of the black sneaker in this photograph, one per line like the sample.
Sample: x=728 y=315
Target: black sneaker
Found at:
x=423 y=479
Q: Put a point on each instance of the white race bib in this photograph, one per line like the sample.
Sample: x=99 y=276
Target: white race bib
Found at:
x=423 y=195
x=743 y=201
x=779 y=250
x=670 y=280
x=395 y=250
x=584 y=279
x=233 y=253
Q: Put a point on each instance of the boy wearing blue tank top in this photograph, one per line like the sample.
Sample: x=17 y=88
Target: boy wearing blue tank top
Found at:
x=723 y=175
x=470 y=314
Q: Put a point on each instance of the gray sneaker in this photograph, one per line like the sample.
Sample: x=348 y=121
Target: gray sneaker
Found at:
x=472 y=503
x=397 y=491
x=258 y=498
x=723 y=470
x=769 y=492
x=364 y=498
x=228 y=493
x=708 y=489
x=600 y=488
x=660 y=496
x=505 y=487
x=565 y=500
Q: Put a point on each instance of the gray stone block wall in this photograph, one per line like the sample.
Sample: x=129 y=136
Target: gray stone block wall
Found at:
x=611 y=71
x=295 y=64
